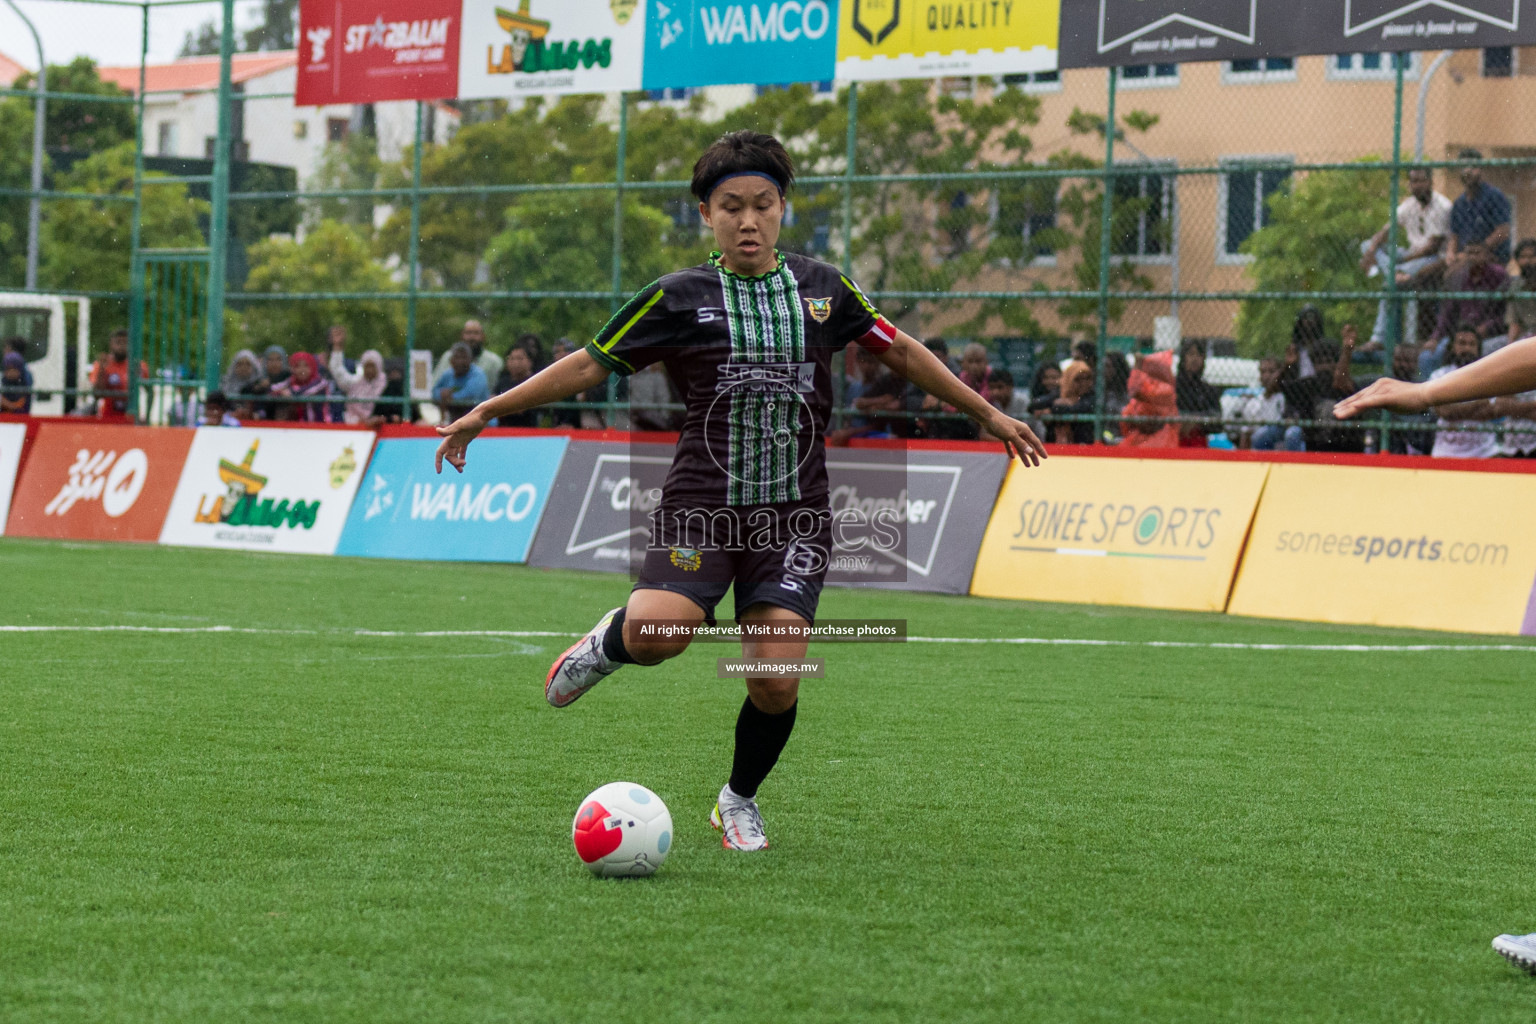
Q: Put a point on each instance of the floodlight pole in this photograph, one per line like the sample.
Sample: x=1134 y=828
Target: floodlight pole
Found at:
x=39 y=120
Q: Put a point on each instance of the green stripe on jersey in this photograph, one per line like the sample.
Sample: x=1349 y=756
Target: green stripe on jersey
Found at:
x=766 y=325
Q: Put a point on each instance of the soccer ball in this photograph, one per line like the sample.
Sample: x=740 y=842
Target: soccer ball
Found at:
x=622 y=830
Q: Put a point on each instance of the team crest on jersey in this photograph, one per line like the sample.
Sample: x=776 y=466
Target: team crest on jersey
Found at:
x=820 y=309
x=687 y=559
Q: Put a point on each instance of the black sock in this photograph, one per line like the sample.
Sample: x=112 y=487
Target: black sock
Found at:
x=760 y=739
x=613 y=642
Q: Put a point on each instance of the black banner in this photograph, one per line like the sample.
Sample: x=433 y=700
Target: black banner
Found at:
x=1104 y=33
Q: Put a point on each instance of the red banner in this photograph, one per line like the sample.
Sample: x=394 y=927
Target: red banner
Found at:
x=87 y=481
x=352 y=51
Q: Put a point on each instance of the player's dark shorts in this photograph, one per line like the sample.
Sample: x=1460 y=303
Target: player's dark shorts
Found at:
x=773 y=554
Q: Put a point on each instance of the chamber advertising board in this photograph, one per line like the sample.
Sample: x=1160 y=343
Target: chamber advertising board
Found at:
x=90 y=481
x=12 y=437
x=1105 y=33
x=885 y=39
x=531 y=47
x=367 y=51
x=692 y=43
x=488 y=513
x=264 y=489
x=1155 y=533
x=1431 y=549
x=598 y=508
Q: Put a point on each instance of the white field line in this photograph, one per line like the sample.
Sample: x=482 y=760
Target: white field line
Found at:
x=1038 y=641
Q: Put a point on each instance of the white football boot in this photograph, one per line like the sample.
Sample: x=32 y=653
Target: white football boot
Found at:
x=581 y=667
x=1519 y=950
x=739 y=822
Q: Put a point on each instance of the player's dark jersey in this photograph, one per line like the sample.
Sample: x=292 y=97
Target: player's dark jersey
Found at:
x=751 y=358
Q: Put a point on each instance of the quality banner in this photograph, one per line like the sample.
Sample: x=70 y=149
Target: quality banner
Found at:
x=486 y=514
x=885 y=39
x=89 y=481
x=12 y=437
x=1154 y=533
x=366 y=51
x=265 y=489
x=531 y=47
x=1430 y=549
x=747 y=42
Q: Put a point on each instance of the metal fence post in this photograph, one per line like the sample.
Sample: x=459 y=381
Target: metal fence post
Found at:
x=1106 y=220
x=611 y=396
x=1395 y=323
x=135 y=232
x=218 y=231
x=851 y=158
x=413 y=270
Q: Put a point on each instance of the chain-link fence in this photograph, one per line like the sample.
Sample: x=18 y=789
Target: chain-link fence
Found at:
x=1244 y=221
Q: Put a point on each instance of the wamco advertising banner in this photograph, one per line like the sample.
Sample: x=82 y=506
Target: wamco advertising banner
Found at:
x=87 y=481
x=884 y=39
x=1154 y=533
x=488 y=513
x=531 y=47
x=739 y=42
x=366 y=51
x=1104 y=33
x=263 y=489
x=1431 y=549
x=12 y=437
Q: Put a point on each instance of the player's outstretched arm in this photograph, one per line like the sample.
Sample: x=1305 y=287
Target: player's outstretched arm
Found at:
x=1508 y=371
x=909 y=358
x=556 y=382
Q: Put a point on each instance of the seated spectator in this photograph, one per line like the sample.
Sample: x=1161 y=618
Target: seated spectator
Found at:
x=1409 y=433
x=1518 y=440
x=1425 y=220
x=363 y=386
x=109 y=376
x=1047 y=383
x=1194 y=396
x=881 y=392
x=1311 y=397
x=472 y=334
x=650 y=391
x=1476 y=273
x=274 y=371
x=388 y=409
x=1004 y=397
x=534 y=346
x=243 y=376
x=216 y=411
x=463 y=386
x=1519 y=313
x=1117 y=377
x=15 y=391
x=1075 y=400
x=974 y=367
x=516 y=368
x=1454 y=443
x=1480 y=215
x=1152 y=395
x=302 y=386
x=1268 y=408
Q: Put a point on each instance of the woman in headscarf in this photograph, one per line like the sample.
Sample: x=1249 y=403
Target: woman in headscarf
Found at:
x=1152 y=394
x=1075 y=399
x=390 y=406
x=367 y=383
x=304 y=382
x=243 y=376
x=274 y=371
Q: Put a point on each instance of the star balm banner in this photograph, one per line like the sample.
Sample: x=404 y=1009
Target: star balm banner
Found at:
x=885 y=39
x=533 y=47
x=351 y=51
x=757 y=42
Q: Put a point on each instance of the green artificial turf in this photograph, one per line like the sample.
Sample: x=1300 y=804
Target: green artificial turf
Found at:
x=326 y=826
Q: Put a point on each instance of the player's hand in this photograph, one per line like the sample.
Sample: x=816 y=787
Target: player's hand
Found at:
x=1017 y=438
x=456 y=437
x=1386 y=393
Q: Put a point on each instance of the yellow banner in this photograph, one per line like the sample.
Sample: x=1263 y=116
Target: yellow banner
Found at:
x=882 y=39
x=1157 y=533
x=1392 y=547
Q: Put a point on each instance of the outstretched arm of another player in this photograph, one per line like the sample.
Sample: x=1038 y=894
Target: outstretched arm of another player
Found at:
x=909 y=358
x=572 y=375
x=1508 y=371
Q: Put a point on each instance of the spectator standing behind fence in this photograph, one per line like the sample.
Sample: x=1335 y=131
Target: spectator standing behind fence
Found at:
x=1411 y=433
x=1311 y=396
x=1005 y=397
x=1476 y=273
x=1480 y=214
x=1075 y=400
x=1194 y=396
x=109 y=376
x=243 y=376
x=473 y=335
x=304 y=382
x=1152 y=394
x=15 y=394
x=516 y=367
x=1519 y=313
x=1269 y=409
x=1454 y=443
x=363 y=383
x=1425 y=219
x=462 y=386
x=388 y=409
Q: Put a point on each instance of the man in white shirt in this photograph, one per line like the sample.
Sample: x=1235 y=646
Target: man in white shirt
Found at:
x=1451 y=443
x=1425 y=217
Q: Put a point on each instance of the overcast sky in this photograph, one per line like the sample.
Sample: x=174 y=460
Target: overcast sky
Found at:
x=110 y=35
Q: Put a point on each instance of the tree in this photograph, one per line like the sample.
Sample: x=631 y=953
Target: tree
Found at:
x=82 y=126
x=15 y=172
x=276 y=28
x=352 y=163
x=332 y=258
x=1312 y=244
